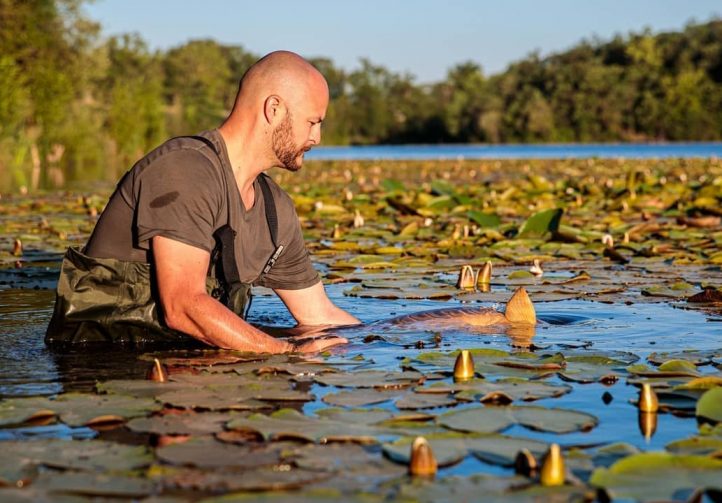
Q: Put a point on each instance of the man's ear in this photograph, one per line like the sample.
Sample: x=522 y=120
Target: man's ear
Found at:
x=272 y=108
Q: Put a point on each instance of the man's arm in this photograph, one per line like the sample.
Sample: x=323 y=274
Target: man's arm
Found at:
x=181 y=273
x=311 y=306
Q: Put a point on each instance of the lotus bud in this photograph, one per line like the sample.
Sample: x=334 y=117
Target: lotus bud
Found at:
x=348 y=195
x=647 y=424
x=464 y=366
x=157 y=372
x=466 y=231
x=428 y=222
x=536 y=269
x=484 y=277
x=17 y=248
x=467 y=278
x=337 y=234
x=358 y=220
x=525 y=463
x=456 y=235
x=625 y=239
x=648 y=401
x=608 y=241
x=318 y=205
x=552 y=470
x=422 y=461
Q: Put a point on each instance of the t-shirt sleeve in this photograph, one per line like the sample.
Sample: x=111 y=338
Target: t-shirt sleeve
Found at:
x=178 y=197
x=293 y=269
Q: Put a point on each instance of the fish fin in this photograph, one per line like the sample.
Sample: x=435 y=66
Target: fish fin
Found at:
x=520 y=309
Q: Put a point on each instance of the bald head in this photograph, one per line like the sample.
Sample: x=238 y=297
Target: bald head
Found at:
x=284 y=74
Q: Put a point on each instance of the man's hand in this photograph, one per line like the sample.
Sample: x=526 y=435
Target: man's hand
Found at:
x=180 y=270
x=309 y=344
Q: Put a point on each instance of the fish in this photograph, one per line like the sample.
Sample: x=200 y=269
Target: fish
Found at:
x=519 y=312
x=518 y=321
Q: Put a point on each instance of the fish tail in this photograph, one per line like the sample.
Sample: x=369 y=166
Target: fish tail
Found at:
x=520 y=309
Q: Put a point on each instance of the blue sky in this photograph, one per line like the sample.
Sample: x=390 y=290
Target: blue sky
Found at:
x=421 y=37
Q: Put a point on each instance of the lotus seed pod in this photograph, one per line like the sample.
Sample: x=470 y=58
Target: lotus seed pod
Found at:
x=552 y=470
x=464 y=366
x=648 y=399
x=484 y=277
x=647 y=424
x=157 y=372
x=466 y=277
x=423 y=463
x=525 y=463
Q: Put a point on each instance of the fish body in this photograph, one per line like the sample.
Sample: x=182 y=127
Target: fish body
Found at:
x=519 y=311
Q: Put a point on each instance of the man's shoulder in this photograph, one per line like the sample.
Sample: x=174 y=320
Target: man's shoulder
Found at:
x=192 y=148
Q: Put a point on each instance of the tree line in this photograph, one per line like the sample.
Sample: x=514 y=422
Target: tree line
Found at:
x=77 y=106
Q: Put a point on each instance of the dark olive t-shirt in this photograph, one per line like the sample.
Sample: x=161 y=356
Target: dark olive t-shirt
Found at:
x=185 y=190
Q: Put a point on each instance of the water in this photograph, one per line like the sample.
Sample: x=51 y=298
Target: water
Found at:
x=520 y=151
x=28 y=368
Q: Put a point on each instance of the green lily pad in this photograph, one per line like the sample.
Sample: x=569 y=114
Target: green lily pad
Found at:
x=483 y=219
x=709 y=406
x=20 y=459
x=658 y=476
x=495 y=419
x=206 y=452
x=95 y=485
x=541 y=223
x=180 y=424
x=514 y=388
x=359 y=397
x=77 y=409
x=275 y=478
x=289 y=424
x=417 y=401
x=371 y=379
x=696 y=446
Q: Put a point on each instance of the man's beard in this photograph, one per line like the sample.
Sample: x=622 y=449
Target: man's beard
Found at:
x=283 y=147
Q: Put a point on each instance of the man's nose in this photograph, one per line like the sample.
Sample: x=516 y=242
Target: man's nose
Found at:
x=316 y=134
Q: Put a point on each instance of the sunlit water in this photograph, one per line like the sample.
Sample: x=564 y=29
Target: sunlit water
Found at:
x=28 y=368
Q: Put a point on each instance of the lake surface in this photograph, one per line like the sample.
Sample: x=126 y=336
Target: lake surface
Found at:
x=520 y=151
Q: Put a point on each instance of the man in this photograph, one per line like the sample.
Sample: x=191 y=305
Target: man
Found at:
x=200 y=205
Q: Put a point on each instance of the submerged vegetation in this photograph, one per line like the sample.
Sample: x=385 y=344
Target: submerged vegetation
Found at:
x=537 y=414
x=77 y=106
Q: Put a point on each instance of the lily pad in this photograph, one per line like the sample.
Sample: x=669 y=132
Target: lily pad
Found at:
x=21 y=459
x=180 y=424
x=358 y=397
x=289 y=424
x=495 y=419
x=658 y=476
x=371 y=379
x=709 y=406
x=77 y=409
x=206 y=452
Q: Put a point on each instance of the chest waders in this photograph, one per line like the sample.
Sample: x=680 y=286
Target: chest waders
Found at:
x=103 y=300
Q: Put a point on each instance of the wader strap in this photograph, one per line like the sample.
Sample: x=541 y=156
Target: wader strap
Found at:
x=272 y=219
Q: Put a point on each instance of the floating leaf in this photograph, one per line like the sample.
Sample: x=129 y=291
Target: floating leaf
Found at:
x=495 y=419
x=709 y=406
x=483 y=219
x=289 y=424
x=541 y=223
x=658 y=476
